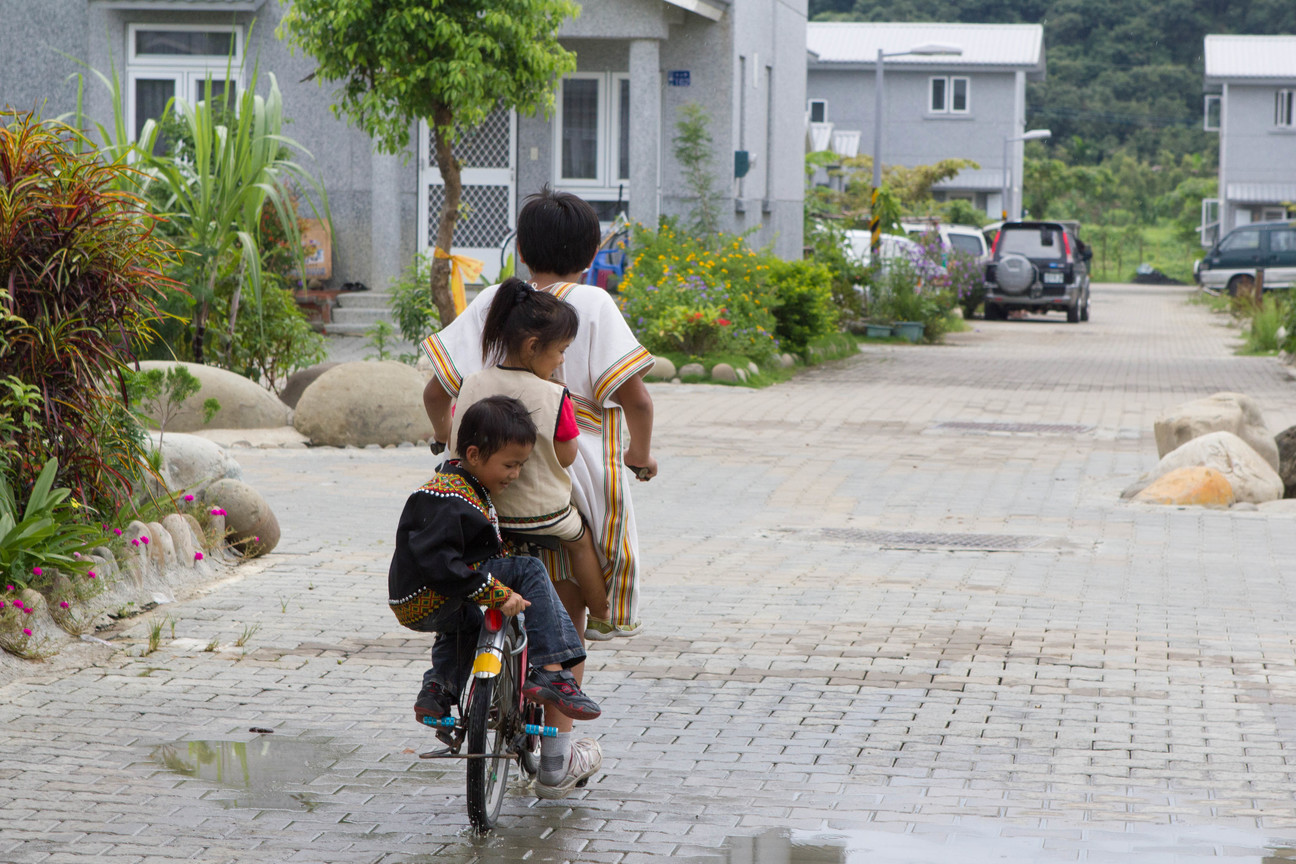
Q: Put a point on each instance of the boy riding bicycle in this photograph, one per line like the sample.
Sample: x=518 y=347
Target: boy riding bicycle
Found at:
x=448 y=563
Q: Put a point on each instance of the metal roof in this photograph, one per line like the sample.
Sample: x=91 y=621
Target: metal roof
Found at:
x=1264 y=57
x=1260 y=193
x=1015 y=46
x=980 y=179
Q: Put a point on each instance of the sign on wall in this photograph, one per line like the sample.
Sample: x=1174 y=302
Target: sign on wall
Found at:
x=678 y=77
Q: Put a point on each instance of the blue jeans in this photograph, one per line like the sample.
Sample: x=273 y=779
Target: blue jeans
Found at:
x=551 y=638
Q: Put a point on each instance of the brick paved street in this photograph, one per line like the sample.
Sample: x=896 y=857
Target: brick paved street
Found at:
x=895 y=606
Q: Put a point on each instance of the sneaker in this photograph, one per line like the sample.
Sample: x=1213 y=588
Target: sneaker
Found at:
x=434 y=703
x=586 y=758
x=601 y=629
x=559 y=689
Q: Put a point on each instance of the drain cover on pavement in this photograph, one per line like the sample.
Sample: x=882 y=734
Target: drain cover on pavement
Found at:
x=1014 y=428
x=924 y=540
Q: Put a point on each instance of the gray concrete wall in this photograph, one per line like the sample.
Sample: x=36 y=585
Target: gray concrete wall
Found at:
x=1252 y=148
x=342 y=156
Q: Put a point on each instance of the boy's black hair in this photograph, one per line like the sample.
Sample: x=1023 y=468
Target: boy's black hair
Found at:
x=557 y=233
x=519 y=312
x=492 y=424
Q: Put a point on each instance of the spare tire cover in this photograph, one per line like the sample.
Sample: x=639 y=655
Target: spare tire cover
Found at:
x=1014 y=273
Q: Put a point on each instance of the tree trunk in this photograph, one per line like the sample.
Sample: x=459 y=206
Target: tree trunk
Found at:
x=233 y=315
x=442 y=127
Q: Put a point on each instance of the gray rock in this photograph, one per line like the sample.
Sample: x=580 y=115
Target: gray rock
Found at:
x=1221 y=412
x=356 y=404
x=1286 y=441
x=297 y=383
x=662 y=370
x=723 y=372
x=696 y=370
x=1247 y=471
x=1282 y=505
x=192 y=459
x=787 y=361
x=251 y=525
x=244 y=404
x=676 y=381
x=1245 y=506
x=752 y=367
x=161 y=549
x=182 y=538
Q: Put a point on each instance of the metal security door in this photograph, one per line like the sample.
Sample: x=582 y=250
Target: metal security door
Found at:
x=488 y=157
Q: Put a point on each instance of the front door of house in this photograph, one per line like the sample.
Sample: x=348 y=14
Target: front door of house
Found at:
x=488 y=156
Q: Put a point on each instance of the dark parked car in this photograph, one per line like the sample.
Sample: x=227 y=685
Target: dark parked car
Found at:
x=1232 y=264
x=1038 y=267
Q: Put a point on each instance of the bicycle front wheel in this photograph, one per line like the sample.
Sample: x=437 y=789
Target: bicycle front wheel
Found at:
x=487 y=740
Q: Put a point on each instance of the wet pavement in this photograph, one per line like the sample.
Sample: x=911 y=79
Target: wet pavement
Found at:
x=895 y=613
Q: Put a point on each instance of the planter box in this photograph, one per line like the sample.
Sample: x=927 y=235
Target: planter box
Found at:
x=878 y=331
x=911 y=330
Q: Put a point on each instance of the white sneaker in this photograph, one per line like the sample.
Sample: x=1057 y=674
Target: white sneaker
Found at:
x=586 y=759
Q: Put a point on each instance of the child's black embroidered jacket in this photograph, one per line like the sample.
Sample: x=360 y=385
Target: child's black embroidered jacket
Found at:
x=446 y=532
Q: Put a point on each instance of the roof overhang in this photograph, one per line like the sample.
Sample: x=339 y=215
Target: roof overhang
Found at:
x=709 y=9
x=1260 y=193
x=182 y=5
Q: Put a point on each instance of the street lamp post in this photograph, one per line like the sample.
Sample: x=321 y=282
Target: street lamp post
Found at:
x=1033 y=135
x=932 y=50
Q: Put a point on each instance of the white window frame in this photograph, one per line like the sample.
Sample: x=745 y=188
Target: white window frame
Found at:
x=188 y=71
x=810 y=103
x=606 y=177
x=1284 y=102
x=1212 y=99
x=948 y=102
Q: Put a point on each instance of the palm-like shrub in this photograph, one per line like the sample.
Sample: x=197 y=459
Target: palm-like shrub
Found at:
x=82 y=269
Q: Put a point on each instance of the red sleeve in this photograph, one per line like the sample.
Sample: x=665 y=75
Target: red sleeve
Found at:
x=566 y=429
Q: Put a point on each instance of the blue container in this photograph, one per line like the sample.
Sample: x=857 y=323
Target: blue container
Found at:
x=910 y=330
x=878 y=331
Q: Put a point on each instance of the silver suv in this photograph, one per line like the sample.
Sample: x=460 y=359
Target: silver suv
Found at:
x=1038 y=267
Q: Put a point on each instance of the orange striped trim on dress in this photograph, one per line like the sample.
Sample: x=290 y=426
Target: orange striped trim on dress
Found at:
x=442 y=364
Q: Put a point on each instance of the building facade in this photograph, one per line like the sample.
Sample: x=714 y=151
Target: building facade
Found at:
x=1251 y=103
x=965 y=105
x=609 y=138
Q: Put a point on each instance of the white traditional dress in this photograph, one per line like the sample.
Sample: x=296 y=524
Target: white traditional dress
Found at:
x=604 y=355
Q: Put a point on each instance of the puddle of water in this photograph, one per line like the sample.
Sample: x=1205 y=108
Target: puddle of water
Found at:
x=958 y=844
x=263 y=772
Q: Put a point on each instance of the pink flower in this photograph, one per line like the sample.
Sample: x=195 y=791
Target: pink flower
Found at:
x=64 y=604
x=117 y=531
x=197 y=556
x=26 y=632
x=135 y=542
x=256 y=539
x=8 y=587
x=2 y=604
x=76 y=554
x=216 y=511
x=91 y=574
x=27 y=611
x=144 y=540
x=36 y=571
x=189 y=497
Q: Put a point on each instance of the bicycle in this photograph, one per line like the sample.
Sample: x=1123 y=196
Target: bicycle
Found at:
x=495 y=721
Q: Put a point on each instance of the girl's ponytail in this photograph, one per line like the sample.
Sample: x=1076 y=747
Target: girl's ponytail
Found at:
x=519 y=312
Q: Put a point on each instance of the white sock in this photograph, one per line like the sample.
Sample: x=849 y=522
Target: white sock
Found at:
x=554 y=753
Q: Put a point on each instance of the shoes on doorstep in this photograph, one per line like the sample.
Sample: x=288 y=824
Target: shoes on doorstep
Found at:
x=601 y=629
x=560 y=690
x=586 y=758
x=434 y=703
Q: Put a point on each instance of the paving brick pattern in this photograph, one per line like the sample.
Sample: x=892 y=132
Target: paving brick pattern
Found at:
x=1118 y=684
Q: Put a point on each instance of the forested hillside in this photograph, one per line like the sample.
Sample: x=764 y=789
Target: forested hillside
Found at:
x=1121 y=73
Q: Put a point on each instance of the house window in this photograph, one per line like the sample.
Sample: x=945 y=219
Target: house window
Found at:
x=1283 y=108
x=593 y=129
x=949 y=95
x=165 y=62
x=1211 y=113
x=818 y=111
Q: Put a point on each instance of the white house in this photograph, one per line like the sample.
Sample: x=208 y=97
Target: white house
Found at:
x=1251 y=102
x=969 y=104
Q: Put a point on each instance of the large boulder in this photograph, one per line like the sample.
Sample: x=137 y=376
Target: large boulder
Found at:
x=244 y=404
x=370 y=402
x=663 y=369
x=1196 y=487
x=1246 y=470
x=1222 y=412
x=251 y=524
x=189 y=460
x=297 y=383
x=1286 y=441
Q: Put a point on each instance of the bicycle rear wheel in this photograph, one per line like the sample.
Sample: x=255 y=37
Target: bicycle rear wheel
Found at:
x=488 y=738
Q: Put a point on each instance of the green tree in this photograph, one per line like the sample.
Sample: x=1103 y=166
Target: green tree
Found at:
x=449 y=63
x=693 y=150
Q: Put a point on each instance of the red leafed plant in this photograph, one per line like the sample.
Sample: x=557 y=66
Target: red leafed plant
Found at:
x=80 y=271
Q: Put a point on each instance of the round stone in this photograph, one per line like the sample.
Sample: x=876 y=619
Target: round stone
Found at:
x=244 y=404
x=251 y=525
x=723 y=372
x=192 y=459
x=357 y=404
x=297 y=383
x=693 y=370
x=662 y=369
